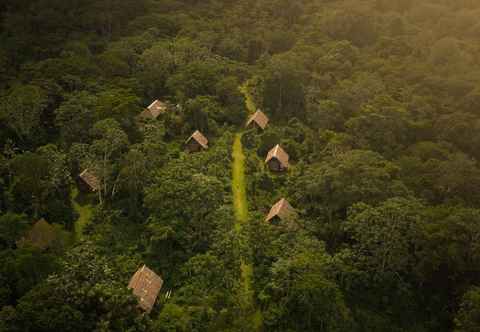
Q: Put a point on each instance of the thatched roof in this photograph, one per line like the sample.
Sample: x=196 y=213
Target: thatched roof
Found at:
x=281 y=209
x=278 y=153
x=259 y=118
x=199 y=138
x=90 y=180
x=41 y=235
x=146 y=285
x=154 y=110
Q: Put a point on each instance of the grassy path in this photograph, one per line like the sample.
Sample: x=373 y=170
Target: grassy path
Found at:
x=238 y=183
x=253 y=319
x=84 y=211
x=249 y=103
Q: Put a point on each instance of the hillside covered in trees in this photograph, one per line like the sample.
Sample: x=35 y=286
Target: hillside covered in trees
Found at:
x=134 y=197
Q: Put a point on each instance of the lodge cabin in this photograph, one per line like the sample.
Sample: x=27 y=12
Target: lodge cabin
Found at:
x=41 y=236
x=196 y=142
x=277 y=159
x=145 y=285
x=258 y=120
x=154 y=110
x=88 y=181
x=281 y=211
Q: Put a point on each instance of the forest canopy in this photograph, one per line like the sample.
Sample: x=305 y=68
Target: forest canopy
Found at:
x=131 y=147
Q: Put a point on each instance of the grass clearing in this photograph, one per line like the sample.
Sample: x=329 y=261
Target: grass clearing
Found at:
x=239 y=189
x=238 y=183
x=84 y=210
x=249 y=103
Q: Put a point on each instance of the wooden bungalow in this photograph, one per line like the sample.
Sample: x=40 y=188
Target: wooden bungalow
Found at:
x=277 y=159
x=281 y=211
x=196 y=142
x=154 y=110
x=41 y=236
x=145 y=285
x=88 y=181
x=259 y=120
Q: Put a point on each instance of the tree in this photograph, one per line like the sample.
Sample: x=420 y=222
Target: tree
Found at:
x=468 y=317
x=153 y=146
x=29 y=266
x=31 y=181
x=42 y=28
x=75 y=116
x=42 y=178
x=121 y=105
x=197 y=112
x=176 y=184
x=12 y=226
x=283 y=88
x=327 y=189
x=208 y=295
x=195 y=79
x=89 y=293
x=337 y=59
x=355 y=24
x=173 y=318
x=110 y=141
x=450 y=253
x=23 y=108
x=386 y=130
x=353 y=93
x=164 y=58
x=440 y=174
x=386 y=237
x=133 y=178
x=460 y=129
x=325 y=115
x=301 y=296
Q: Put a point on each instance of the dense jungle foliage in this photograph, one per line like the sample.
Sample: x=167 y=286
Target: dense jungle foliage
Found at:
x=377 y=102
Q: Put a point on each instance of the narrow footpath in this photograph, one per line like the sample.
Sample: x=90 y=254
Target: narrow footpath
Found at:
x=84 y=211
x=252 y=316
x=238 y=183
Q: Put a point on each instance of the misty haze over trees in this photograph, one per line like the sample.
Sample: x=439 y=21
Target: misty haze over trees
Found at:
x=123 y=145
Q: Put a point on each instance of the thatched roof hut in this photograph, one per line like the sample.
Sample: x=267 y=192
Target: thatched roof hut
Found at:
x=41 y=235
x=90 y=180
x=259 y=119
x=196 y=142
x=145 y=285
x=277 y=159
x=154 y=110
x=281 y=210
